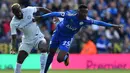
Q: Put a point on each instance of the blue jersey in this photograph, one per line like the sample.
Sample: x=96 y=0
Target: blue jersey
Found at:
x=71 y=24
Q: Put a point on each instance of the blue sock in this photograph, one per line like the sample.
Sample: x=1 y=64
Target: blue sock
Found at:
x=48 y=62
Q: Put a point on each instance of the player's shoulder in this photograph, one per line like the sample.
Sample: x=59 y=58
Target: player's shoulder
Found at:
x=28 y=8
x=71 y=12
x=89 y=18
x=13 y=20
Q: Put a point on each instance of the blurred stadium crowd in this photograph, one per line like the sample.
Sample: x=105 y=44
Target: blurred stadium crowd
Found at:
x=91 y=39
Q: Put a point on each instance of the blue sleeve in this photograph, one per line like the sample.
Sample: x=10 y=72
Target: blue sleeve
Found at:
x=54 y=14
x=101 y=23
x=97 y=22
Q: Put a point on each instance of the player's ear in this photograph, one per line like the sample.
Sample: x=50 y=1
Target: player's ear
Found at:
x=78 y=10
x=87 y=9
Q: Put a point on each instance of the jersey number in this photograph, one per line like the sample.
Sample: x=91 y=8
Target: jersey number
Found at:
x=66 y=43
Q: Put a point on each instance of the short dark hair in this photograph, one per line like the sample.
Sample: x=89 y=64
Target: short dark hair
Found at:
x=82 y=6
x=15 y=6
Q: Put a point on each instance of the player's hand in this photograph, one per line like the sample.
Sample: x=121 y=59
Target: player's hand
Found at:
x=118 y=26
x=12 y=51
x=55 y=20
x=37 y=19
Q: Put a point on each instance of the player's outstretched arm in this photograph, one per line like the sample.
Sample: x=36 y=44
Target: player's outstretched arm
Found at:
x=54 y=14
x=44 y=10
x=101 y=23
x=48 y=15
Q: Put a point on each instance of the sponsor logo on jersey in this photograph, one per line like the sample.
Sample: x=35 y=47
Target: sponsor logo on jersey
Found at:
x=71 y=28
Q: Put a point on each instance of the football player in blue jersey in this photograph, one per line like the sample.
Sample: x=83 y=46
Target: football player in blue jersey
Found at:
x=66 y=29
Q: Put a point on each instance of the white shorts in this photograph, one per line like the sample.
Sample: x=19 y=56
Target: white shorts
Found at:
x=29 y=46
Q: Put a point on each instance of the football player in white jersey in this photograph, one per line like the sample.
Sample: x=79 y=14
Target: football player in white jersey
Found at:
x=32 y=36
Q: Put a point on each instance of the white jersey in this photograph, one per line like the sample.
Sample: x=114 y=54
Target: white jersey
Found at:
x=29 y=28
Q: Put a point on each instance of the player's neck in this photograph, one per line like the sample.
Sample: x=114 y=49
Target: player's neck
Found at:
x=19 y=18
x=80 y=17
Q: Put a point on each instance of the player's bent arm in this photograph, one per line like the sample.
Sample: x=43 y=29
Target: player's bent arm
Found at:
x=44 y=10
x=13 y=33
x=13 y=41
x=54 y=14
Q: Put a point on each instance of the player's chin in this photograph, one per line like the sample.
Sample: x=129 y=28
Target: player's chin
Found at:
x=83 y=16
x=20 y=17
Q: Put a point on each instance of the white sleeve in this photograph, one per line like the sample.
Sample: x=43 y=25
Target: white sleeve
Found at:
x=13 y=28
x=33 y=9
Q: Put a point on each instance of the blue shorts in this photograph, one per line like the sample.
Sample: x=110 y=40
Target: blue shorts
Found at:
x=61 y=42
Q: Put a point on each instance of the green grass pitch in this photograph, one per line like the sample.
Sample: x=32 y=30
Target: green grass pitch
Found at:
x=70 y=71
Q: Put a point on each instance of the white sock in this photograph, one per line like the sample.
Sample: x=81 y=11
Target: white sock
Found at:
x=43 y=59
x=18 y=68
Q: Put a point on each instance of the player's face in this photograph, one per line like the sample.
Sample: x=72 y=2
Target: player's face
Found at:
x=18 y=13
x=83 y=13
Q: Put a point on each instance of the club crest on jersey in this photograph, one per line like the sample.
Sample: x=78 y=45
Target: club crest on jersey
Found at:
x=81 y=23
x=29 y=17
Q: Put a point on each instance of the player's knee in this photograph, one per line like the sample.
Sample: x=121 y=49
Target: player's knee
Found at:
x=42 y=46
x=43 y=50
x=20 y=61
x=21 y=56
x=52 y=51
x=60 y=59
